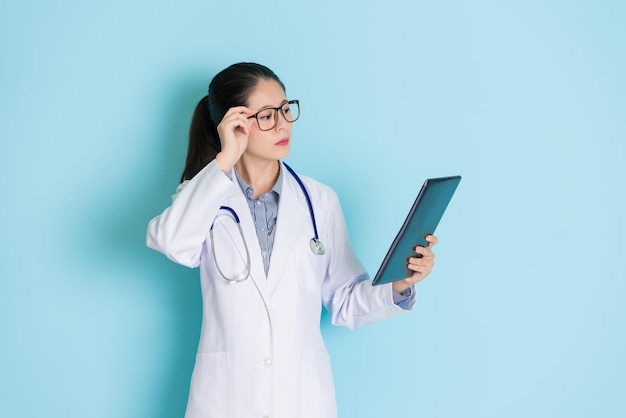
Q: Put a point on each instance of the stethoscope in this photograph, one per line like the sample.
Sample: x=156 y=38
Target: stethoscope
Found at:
x=316 y=245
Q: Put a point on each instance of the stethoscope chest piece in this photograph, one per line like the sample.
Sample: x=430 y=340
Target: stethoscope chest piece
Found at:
x=317 y=246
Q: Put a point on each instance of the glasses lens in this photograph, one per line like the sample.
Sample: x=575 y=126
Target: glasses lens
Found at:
x=267 y=119
x=291 y=111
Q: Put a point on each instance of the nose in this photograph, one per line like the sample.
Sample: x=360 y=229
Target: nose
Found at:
x=281 y=121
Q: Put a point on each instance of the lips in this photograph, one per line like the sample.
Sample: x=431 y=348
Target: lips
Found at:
x=282 y=142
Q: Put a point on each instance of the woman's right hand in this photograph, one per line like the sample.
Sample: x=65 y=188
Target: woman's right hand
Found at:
x=233 y=131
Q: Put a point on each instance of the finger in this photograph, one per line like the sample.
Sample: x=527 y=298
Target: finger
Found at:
x=241 y=124
x=423 y=270
x=239 y=110
x=424 y=251
x=237 y=113
x=236 y=122
x=235 y=116
x=421 y=262
x=432 y=240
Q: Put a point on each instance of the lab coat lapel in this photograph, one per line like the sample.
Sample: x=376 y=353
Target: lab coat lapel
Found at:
x=292 y=218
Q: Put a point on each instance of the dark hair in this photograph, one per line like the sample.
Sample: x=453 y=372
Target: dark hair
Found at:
x=230 y=87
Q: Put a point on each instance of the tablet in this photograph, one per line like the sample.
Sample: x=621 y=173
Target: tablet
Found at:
x=423 y=218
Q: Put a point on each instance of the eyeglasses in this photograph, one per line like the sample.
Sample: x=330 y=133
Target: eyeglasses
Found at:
x=267 y=118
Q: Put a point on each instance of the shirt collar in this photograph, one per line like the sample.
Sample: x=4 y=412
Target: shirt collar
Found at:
x=249 y=190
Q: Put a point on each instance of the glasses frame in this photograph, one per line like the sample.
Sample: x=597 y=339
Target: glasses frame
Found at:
x=276 y=110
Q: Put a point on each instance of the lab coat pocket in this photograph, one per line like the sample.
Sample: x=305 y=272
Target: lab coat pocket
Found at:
x=317 y=389
x=208 y=395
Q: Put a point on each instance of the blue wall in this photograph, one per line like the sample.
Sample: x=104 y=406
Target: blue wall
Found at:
x=523 y=315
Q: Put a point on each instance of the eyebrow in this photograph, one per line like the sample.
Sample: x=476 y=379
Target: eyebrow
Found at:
x=273 y=107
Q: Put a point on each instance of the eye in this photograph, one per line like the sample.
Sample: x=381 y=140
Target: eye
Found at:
x=265 y=115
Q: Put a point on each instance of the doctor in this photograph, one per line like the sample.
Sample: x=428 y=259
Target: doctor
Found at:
x=244 y=219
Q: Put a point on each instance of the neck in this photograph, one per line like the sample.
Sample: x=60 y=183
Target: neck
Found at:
x=260 y=175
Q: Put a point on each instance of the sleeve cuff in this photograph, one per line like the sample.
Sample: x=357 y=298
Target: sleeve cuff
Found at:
x=405 y=299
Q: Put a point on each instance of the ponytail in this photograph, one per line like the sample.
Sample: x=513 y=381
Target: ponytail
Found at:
x=230 y=87
x=204 y=142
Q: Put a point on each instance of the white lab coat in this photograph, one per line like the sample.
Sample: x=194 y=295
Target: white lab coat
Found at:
x=261 y=352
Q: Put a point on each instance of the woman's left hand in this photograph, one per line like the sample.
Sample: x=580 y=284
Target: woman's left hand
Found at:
x=421 y=267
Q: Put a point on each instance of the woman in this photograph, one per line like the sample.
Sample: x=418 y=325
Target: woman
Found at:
x=261 y=352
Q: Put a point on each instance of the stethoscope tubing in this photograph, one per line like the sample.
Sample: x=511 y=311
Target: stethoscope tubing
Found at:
x=240 y=277
x=316 y=245
x=308 y=200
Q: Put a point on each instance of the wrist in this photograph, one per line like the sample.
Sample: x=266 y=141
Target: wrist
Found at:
x=224 y=162
x=400 y=286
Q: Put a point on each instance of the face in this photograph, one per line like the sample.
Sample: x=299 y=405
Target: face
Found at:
x=274 y=144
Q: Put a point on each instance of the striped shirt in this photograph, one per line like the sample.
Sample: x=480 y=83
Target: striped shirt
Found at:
x=264 y=211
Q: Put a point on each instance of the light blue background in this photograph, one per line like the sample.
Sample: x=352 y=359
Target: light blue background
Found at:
x=524 y=315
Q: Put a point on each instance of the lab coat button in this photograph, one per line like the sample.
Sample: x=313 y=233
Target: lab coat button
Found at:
x=263 y=305
x=267 y=362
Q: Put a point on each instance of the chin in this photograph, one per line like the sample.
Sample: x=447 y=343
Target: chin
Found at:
x=283 y=153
